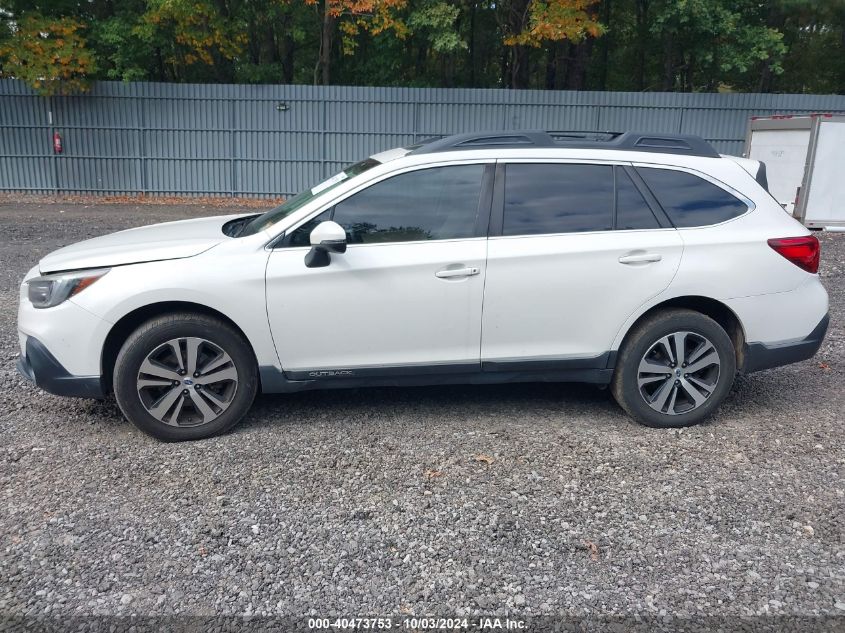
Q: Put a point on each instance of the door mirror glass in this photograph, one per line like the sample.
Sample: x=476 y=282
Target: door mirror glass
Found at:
x=327 y=237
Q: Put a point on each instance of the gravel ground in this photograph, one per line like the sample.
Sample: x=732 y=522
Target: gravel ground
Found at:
x=522 y=499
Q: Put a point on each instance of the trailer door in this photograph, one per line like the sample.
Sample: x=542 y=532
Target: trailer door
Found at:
x=784 y=151
x=823 y=201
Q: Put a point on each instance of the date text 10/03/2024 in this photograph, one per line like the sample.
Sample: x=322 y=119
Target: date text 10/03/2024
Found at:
x=418 y=624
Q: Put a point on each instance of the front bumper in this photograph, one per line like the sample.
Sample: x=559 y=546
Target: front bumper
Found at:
x=39 y=366
x=759 y=356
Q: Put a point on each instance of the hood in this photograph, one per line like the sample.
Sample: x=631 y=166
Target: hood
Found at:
x=169 y=240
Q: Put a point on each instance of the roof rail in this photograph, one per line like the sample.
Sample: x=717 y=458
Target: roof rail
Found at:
x=628 y=141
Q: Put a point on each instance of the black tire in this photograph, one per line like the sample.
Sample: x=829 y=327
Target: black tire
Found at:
x=639 y=342
x=155 y=333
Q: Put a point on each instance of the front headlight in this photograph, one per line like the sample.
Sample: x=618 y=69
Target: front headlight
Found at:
x=51 y=290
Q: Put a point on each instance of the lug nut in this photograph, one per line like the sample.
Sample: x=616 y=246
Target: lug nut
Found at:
x=182 y=372
x=197 y=387
x=184 y=392
x=196 y=374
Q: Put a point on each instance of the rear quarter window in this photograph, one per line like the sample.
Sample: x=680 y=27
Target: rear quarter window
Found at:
x=632 y=211
x=689 y=200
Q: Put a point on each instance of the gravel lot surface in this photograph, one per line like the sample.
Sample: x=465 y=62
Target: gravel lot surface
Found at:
x=525 y=499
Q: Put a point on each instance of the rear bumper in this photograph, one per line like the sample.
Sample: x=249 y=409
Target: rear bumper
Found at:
x=40 y=367
x=759 y=356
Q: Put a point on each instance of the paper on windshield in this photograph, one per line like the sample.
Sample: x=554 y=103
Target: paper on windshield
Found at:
x=328 y=183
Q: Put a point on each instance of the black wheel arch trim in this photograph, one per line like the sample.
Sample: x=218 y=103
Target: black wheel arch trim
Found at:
x=709 y=307
x=126 y=324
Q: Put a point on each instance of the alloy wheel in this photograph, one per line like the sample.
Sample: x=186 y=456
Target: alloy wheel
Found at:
x=187 y=381
x=679 y=372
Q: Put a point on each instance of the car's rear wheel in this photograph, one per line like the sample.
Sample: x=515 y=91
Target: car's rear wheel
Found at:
x=185 y=376
x=675 y=369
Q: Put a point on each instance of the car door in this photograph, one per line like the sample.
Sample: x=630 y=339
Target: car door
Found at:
x=405 y=297
x=574 y=249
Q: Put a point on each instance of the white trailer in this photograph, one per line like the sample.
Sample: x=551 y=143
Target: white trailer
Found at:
x=805 y=164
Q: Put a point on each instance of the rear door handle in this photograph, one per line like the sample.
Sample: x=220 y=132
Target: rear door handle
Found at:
x=446 y=273
x=640 y=258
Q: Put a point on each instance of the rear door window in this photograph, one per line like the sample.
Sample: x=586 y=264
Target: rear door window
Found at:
x=557 y=198
x=690 y=200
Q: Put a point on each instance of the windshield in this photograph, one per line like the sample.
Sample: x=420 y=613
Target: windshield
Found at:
x=266 y=220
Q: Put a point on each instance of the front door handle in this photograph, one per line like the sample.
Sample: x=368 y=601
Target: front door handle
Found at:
x=640 y=258
x=446 y=273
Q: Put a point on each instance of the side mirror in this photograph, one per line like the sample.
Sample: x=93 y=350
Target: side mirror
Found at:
x=327 y=237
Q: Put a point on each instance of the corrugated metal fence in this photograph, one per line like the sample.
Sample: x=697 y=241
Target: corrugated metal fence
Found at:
x=276 y=140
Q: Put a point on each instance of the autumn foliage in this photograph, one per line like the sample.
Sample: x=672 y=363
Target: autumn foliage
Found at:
x=48 y=54
x=373 y=16
x=556 y=20
x=58 y=46
x=51 y=54
x=200 y=34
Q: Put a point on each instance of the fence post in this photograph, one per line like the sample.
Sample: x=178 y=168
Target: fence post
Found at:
x=323 y=148
x=54 y=158
x=140 y=113
x=232 y=150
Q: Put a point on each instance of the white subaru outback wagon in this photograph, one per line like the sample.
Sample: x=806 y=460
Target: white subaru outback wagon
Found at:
x=645 y=262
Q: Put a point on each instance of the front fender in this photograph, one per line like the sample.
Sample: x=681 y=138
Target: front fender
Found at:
x=228 y=283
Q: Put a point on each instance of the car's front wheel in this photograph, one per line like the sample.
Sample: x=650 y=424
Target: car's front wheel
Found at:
x=185 y=376
x=674 y=369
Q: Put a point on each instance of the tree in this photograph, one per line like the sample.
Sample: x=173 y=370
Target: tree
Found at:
x=277 y=32
x=354 y=17
x=814 y=33
x=706 y=42
x=554 y=20
x=435 y=21
x=533 y=23
x=125 y=51
x=189 y=33
x=686 y=45
x=49 y=54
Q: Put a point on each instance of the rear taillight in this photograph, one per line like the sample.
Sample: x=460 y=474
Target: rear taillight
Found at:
x=801 y=251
